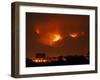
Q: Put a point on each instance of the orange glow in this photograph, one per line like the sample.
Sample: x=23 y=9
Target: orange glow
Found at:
x=73 y=35
x=39 y=60
x=82 y=33
x=56 y=37
x=44 y=60
x=37 y=31
x=36 y=60
x=50 y=38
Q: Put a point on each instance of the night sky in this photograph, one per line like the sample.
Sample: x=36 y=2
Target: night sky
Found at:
x=56 y=34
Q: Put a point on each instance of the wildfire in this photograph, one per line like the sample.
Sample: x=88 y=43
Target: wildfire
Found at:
x=53 y=37
x=56 y=37
x=50 y=38
x=73 y=35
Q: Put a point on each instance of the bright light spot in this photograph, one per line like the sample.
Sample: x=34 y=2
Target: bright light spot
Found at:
x=51 y=38
x=40 y=60
x=56 y=37
x=36 y=60
x=73 y=35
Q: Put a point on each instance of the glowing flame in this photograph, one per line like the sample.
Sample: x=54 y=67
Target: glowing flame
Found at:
x=56 y=37
x=50 y=38
x=53 y=37
x=73 y=35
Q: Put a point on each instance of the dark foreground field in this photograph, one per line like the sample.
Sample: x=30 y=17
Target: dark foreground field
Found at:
x=69 y=60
